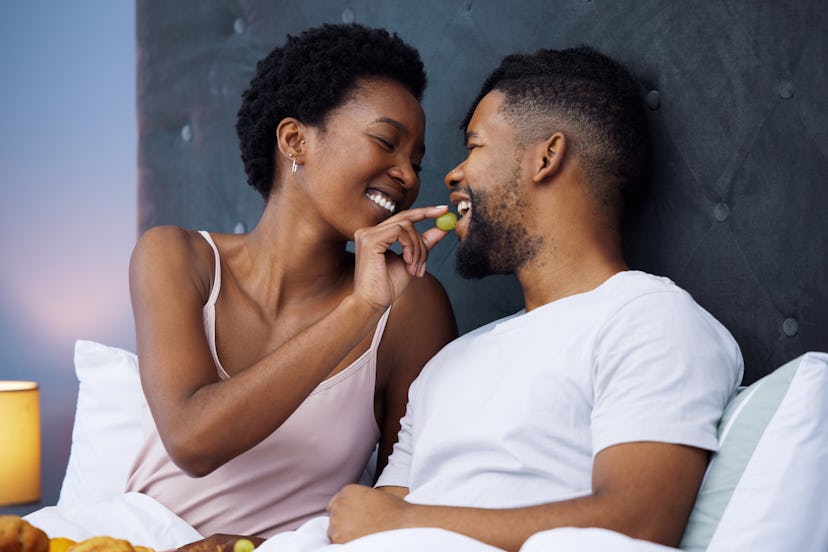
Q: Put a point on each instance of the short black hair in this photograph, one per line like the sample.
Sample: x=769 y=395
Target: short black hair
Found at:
x=596 y=101
x=309 y=76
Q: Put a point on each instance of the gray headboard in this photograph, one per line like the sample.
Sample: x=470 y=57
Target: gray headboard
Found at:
x=737 y=96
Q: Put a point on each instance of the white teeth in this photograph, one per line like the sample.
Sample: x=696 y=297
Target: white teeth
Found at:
x=386 y=204
x=463 y=207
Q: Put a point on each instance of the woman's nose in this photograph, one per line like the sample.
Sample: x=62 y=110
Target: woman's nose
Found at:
x=406 y=176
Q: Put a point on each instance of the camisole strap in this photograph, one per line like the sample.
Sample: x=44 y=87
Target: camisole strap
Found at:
x=209 y=309
x=217 y=277
x=380 y=329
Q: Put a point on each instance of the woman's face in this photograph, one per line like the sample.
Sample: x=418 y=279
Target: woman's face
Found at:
x=363 y=166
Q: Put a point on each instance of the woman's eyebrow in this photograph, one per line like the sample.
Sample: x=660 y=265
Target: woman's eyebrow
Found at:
x=394 y=123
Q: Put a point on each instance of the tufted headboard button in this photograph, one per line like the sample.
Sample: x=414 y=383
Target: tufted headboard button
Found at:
x=239 y=25
x=721 y=212
x=785 y=89
x=790 y=327
x=653 y=99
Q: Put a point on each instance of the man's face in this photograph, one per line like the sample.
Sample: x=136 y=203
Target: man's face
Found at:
x=487 y=189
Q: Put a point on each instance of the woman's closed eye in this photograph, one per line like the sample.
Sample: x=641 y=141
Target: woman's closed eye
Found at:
x=387 y=144
x=391 y=147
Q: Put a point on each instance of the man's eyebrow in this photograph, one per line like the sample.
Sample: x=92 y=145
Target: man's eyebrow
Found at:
x=471 y=134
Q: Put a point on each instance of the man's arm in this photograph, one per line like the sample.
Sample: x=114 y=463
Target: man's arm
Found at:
x=396 y=491
x=645 y=490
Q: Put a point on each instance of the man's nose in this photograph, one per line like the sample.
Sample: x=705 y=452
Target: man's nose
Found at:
x=454 y=176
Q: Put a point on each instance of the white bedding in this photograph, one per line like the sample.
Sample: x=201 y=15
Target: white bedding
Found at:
x=143 y=521
x=311 y=538
x=132 y=516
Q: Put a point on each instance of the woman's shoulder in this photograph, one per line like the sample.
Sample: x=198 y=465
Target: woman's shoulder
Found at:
x=172 y=242
x=424 y=307
x=427 y=288
x=164 y=251
x=167 y=236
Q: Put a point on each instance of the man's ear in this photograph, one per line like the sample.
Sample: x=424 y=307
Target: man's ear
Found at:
x=290 y=137
x=551 y=153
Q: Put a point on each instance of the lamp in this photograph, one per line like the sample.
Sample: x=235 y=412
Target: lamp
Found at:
x=19 y=442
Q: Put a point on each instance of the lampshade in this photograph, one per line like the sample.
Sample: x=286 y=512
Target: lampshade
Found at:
x=19 y=442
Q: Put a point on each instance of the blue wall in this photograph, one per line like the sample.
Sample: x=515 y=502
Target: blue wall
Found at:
x=67 y=199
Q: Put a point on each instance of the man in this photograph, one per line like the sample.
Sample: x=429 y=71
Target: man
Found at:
x=598 y=405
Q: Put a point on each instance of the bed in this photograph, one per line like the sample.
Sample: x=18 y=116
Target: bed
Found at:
x=735 y=92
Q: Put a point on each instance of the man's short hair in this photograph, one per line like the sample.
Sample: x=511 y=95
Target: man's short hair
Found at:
x=595 y=101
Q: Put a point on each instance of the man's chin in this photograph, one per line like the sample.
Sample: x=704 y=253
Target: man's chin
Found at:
x=472 y=274
x=471 y=266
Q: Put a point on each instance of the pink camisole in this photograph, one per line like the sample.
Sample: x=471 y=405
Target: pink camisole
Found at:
x=287 y=478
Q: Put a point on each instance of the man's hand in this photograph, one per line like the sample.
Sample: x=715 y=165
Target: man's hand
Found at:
x=356 y=511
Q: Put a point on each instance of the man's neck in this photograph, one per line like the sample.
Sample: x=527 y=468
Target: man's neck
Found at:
x=550 y=278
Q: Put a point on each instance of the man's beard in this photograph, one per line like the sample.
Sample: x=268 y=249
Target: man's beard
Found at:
x=496 y=241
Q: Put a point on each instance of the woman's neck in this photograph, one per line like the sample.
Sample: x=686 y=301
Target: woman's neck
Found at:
x=292 y=258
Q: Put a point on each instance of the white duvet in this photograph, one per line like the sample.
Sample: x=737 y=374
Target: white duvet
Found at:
x=143 y=521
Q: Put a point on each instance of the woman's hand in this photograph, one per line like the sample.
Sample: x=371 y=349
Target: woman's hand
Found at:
x=380 y=274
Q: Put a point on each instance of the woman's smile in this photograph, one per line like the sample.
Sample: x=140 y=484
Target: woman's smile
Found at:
x=382 y=200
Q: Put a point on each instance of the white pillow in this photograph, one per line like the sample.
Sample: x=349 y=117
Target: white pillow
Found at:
x=108 y=423
x=767 y=486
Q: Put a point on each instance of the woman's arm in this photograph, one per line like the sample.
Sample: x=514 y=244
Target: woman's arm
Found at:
x=205 y=422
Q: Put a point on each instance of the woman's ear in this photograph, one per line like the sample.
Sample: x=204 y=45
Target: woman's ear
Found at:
x=290 y=137
x=550 y=157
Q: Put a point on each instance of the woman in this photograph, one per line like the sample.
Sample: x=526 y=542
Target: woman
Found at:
x=274 y=362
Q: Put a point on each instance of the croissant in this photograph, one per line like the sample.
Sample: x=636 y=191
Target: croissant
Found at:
x=102 y=544
x=18 y=535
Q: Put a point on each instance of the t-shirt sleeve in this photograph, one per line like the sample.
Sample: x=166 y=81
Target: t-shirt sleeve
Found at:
x=663 y=370
x=396 y=472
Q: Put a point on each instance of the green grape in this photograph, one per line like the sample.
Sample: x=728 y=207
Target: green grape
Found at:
x=446 y=222
x=243 y=545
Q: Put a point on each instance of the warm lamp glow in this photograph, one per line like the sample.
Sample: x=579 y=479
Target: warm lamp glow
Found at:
x=19 y=442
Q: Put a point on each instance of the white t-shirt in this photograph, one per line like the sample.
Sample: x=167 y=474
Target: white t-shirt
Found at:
x=513 y=413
